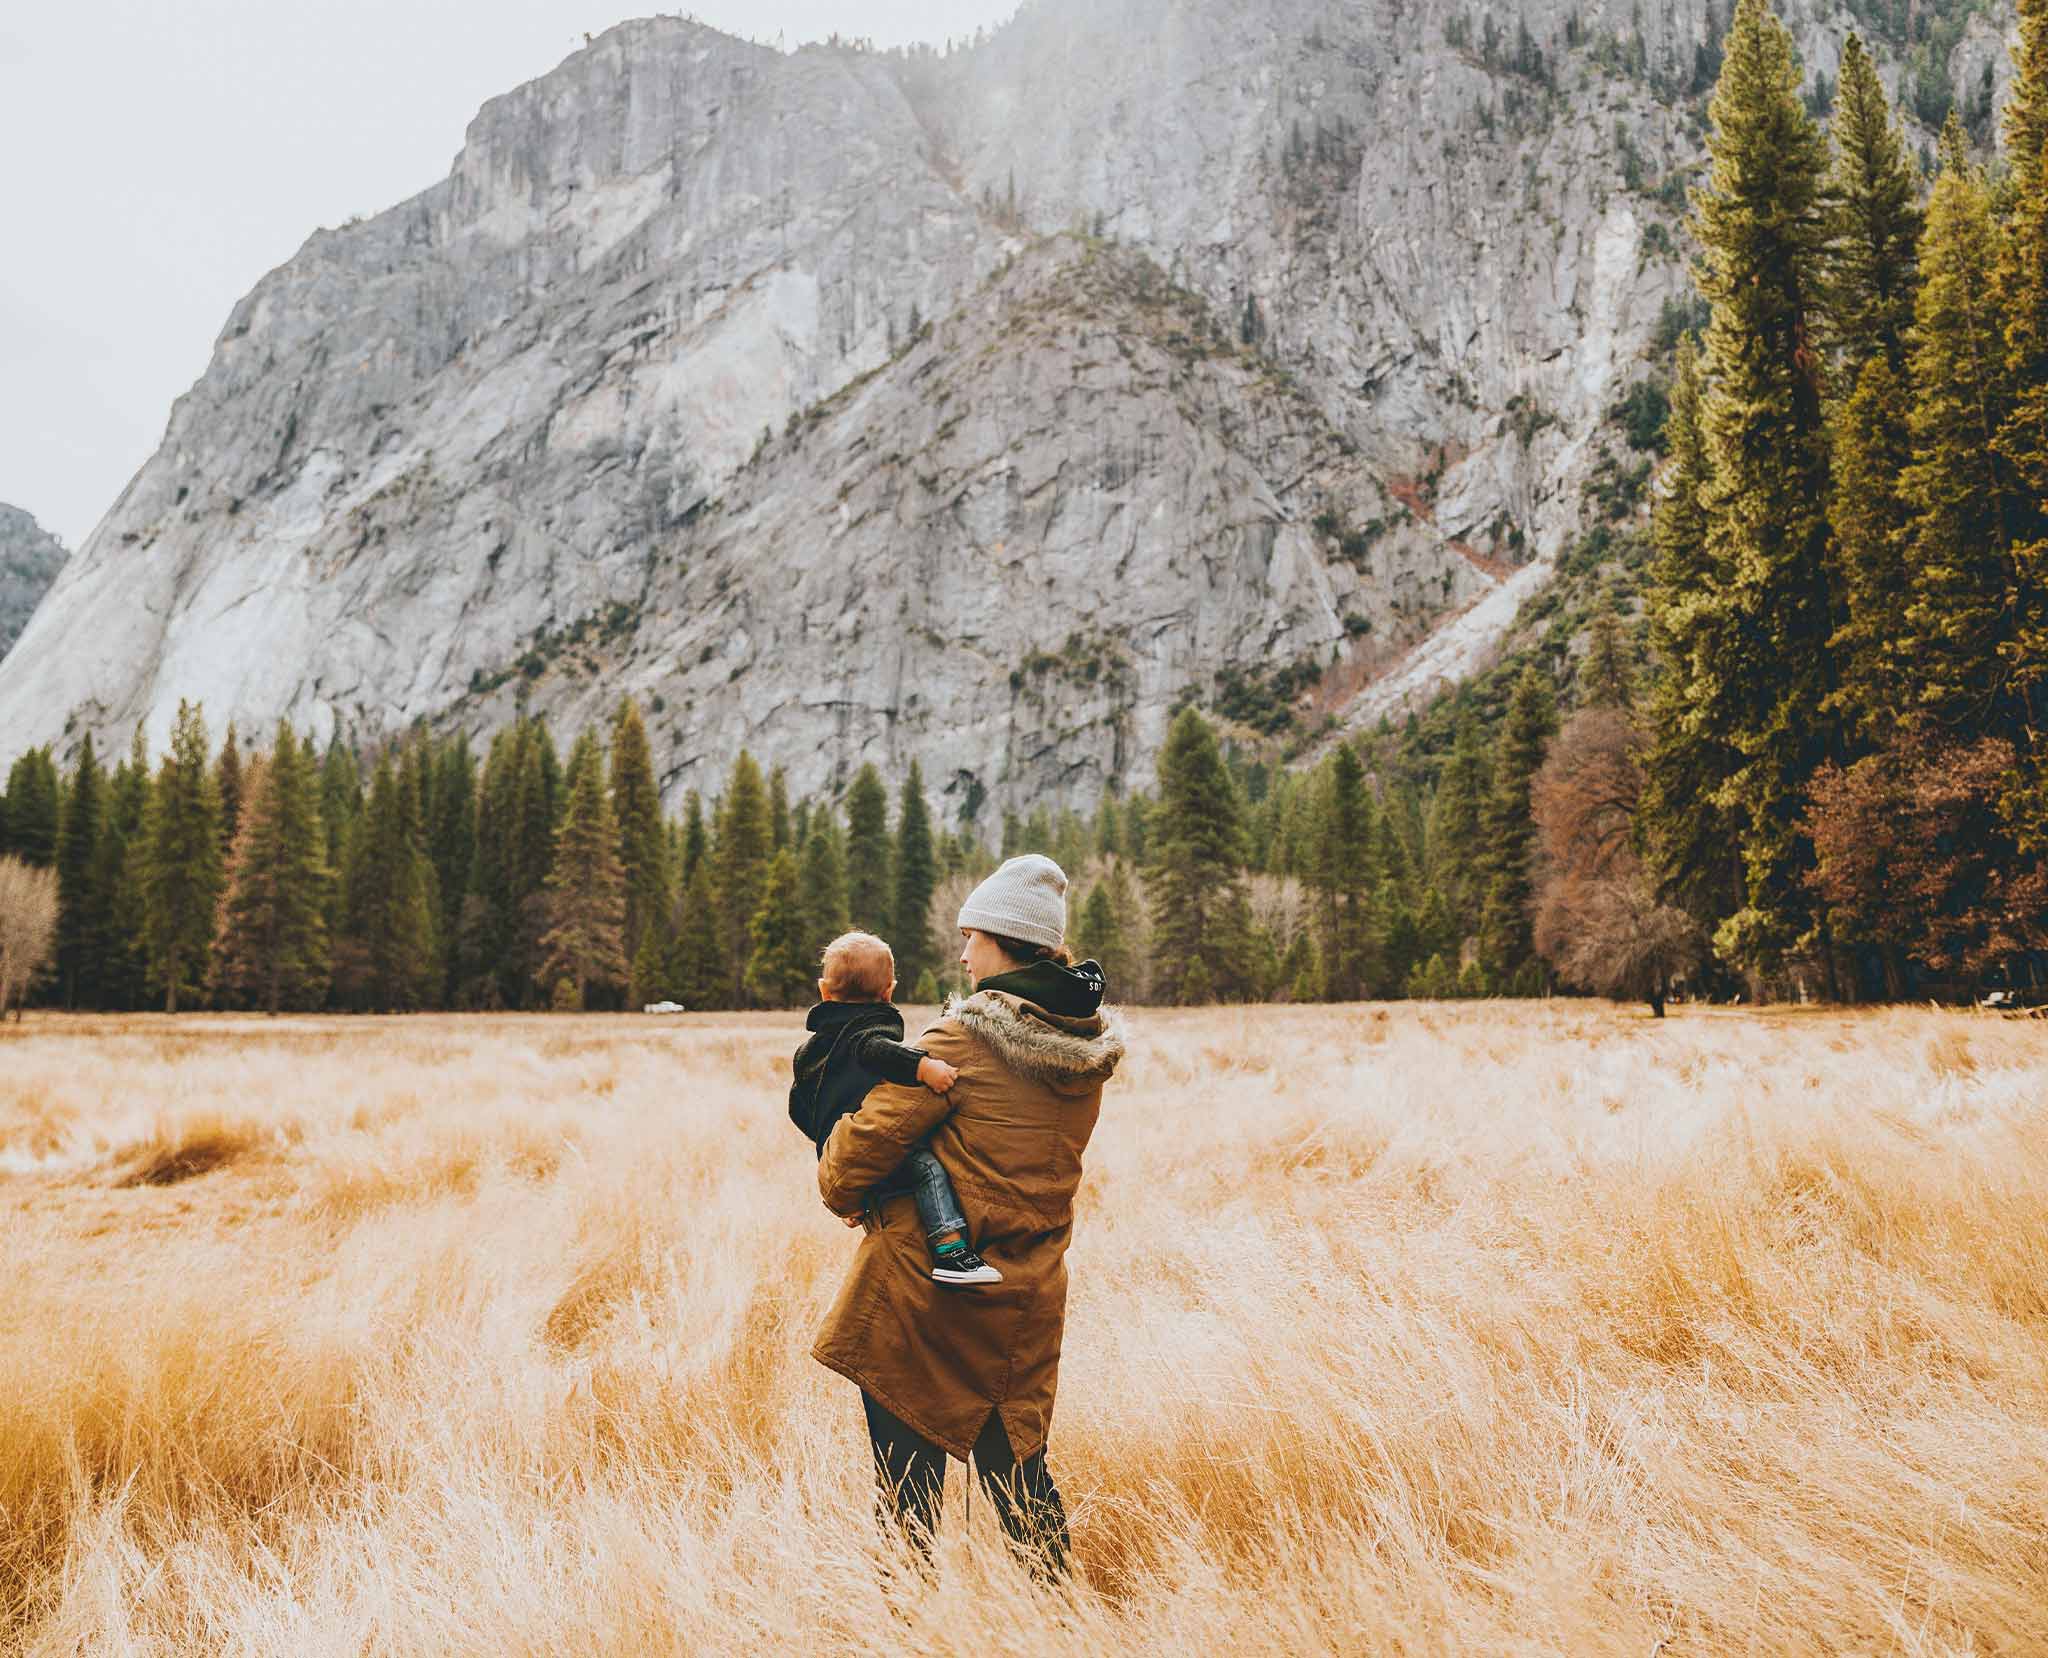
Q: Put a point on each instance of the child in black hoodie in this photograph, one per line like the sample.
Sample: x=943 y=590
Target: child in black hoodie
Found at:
x=856 y=1041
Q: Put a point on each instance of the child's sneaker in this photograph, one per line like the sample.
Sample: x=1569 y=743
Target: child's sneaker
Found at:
x=963 y=1266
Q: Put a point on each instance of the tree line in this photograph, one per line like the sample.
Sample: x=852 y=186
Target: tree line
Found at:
x=425 y=877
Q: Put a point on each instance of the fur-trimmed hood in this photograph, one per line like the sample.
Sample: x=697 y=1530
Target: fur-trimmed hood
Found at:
x=1045 y=1047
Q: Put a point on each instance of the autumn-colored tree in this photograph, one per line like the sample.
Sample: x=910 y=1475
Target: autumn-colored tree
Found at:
x=1599 y=920
x=1915 y=854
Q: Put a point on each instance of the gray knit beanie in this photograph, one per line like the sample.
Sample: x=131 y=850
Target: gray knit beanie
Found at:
x=1026 y=900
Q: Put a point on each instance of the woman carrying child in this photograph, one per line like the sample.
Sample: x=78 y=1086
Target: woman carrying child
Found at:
x=942 y=1374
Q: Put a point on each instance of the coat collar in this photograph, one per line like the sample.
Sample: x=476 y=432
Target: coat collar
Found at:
x=1046 y=1047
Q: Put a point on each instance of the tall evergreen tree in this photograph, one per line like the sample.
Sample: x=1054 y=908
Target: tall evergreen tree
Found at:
x=121 y=964
x=452 y=832
x=1959 y=489
x=1101 y=938
x=341 y=799
x=1874 y=224
x=870 y=873
x=1872 y=448
x=181 y=862
x=917 y=878
x=1605 y=678
x=1201 y=927
x=387 y=958
x=271 y=947
x=696 y=970
x=1688 y=833
x=1762 y=227
x=781 y=967
x=1455 y=853
x=81 y=906
x=1510 y=829
x=778 y=807
x=742 y=843
x=636 y=802
x=227 y=780
x=1346 y=874
x=35 y=808
x=823 y=881
x=586 y=886
x=696 y=840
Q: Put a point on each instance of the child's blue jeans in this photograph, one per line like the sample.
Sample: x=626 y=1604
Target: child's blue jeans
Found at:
x=938 y=1207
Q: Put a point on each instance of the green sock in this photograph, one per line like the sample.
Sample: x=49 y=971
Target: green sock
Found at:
x=952 y=1248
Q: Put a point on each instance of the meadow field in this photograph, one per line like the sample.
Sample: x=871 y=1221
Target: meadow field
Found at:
x=1431 y=1328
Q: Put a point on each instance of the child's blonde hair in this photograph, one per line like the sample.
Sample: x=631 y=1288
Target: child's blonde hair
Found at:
x=858 y=967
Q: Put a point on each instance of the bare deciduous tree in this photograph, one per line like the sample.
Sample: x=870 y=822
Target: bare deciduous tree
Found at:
x=1599 y=920
x=28 y=929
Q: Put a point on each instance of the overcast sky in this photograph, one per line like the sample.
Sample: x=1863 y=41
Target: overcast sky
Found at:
x=159 y=158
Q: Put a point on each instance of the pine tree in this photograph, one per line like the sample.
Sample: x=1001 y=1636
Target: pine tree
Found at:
x=1959 y=489
x=1346 y=875
x=1101 y=938
x=742 y=843
x=696 y=974
x=1762 y=227
x=649 y=981
x=586 y=885
x=1509 y=825
x=1454 y=844
x=181 y=862
x=270 y=948
x=636 y=802
x=1605 y=678
x=1689 y=837
x=917 y=878
x=778 y=808
x=1872 y=448
x=529 y=857
x=780 y=964
x=1874 y=223
x=452 y=836
x=823 y=882
x=34 y=809
x=1199 y=926
x=870 y=876
x=81 y=907
x=227 y=781
x=696 y=840
x=341 y=801
x=121 y=964
x=387 y=957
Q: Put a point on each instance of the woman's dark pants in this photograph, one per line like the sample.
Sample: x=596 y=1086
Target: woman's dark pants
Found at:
x=912 y=1474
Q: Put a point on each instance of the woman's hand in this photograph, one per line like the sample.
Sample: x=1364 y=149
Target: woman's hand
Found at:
x=936 y=1074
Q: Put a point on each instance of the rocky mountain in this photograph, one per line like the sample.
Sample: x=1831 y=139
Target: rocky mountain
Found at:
x=981 y=407
x=30 y=558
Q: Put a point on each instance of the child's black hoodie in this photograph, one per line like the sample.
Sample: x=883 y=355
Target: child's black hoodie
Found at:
x=852 y=1046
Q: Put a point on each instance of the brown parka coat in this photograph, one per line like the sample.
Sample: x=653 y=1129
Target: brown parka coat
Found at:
x=1010 y=1134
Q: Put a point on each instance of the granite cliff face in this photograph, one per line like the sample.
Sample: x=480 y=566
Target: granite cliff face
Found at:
x=30 y=558
x=979 y=408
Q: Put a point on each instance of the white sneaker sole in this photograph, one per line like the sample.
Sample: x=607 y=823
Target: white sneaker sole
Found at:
x=986 y=1275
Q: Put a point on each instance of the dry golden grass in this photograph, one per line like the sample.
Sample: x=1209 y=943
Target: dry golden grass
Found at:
x=1476 y=1328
